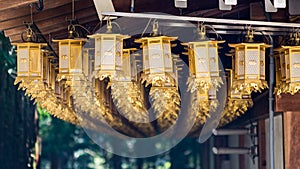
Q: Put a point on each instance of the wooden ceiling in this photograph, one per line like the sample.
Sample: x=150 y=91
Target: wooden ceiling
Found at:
x=52 y=19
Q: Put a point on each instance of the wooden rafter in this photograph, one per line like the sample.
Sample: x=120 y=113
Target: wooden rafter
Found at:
x=5 y=5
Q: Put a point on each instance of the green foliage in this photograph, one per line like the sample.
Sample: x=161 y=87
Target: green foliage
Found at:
x=7 y=53
x=62 y=140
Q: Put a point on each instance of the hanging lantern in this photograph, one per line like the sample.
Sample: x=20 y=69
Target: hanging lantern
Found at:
x=127 y=94
x=88 y=62
x=249 y=65
x=160 y=72
x=29 y=59
x=70 y=58
x=204 y=76
x=203 y=63
x=158 y=63
x=108 y=53
x=291 y=69
x=29 y=67
x=237 y=103
x=281 y=86
x=129 y=65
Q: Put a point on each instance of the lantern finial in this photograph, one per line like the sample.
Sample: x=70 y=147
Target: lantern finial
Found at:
x=155 y=28
x=250 y=35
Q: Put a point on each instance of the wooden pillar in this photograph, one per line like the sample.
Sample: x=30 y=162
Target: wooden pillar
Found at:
x=292 y=139
x=262 y=145
x=290 y=105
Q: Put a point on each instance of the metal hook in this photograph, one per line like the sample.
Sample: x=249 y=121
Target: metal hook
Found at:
x=109 y=25
x=155 y=28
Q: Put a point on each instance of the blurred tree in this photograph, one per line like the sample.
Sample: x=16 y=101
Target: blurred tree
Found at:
x=17 y=115
x=65 y=145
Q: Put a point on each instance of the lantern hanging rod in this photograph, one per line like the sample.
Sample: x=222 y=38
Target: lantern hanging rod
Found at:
x=202 y=19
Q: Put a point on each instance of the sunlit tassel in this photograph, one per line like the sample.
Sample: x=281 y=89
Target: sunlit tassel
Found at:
x=195 y=84
x=234 y=109
x=87 y=104
x=202 y=106
x=94 y=110
x=128 y=99
x=166 y=104
x=249 y=87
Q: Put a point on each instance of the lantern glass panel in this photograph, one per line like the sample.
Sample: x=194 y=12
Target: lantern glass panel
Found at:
x=282 y=65
x=252 y=69
x=76 y=57
x=64 y=58
x=168 y=57
x=108 y=54
x=98 y=45
x=240 y=63
x=262 y=63
x=295 y=65
x=46 y=69
x=156 y=61
x=35 y=61
x=287 y=65
x=192 y=64
x=126 y=68
x=213 y=60
x=202 y=61
x=23 y=60
x=85 y=62
x=146 y=63
x=118 y=55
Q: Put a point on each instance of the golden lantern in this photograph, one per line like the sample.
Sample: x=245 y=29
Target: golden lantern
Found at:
x=158 y=63
x=281 y=86
x=292 y=68
x=159 y=70
x=237 y=102
x=126 y=91
x=203 y=63
x=70 y=58
x=29 y=66
x=128 y=96
x=204 y=76
x=249 y=65
x=129 y=65
x=108 y=53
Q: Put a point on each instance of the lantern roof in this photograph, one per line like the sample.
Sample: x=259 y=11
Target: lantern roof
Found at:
x=29 y=43
x=70 y=40
x=143 y=39
x=108 y=35
x=249 y=44
x=129 y=49
x=204 y=42
x=290 y=47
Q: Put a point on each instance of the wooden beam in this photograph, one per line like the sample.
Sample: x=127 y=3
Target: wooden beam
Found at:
x=262 y=162
x=63 y=25
x=50 y=15
x=291 y=139
x=287 y=102
x=23 y=11
x=47 y=25
x=9 y=4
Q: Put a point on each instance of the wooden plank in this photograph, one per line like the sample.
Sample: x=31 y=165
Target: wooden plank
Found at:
x=262 y=163
x=6 y=4
x=55 y=23
x=50 y=15
x=287 y=118
x=63 y=25
x=23 y=11
x=287 y=102
x=292 y=139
